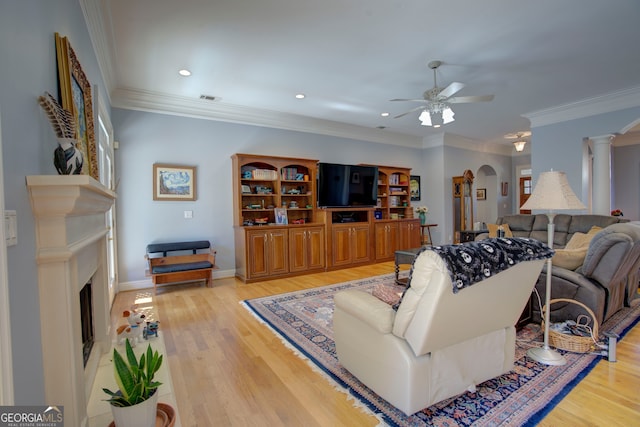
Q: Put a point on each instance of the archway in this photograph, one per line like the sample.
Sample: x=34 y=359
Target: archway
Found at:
x=487 y=208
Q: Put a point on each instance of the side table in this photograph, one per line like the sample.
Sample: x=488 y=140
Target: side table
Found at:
x=470 y=235
x=405 y=256
x=425 y=233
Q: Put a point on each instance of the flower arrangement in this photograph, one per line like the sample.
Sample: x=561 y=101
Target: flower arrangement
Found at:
x=616 y=212
x=422 y=209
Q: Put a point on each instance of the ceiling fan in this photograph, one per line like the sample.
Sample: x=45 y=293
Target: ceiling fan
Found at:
x=437 y=109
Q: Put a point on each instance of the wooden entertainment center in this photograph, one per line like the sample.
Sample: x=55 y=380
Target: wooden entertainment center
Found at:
x=268 y=189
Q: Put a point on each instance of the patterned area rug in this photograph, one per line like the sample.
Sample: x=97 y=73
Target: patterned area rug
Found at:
x=303 y=320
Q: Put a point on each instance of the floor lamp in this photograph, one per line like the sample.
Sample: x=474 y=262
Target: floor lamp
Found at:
x=551 y=193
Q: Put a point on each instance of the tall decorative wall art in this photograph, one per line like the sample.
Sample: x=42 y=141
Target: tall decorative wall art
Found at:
x=75 y=93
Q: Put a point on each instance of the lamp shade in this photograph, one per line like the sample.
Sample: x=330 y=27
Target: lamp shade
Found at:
x=519 y=145
x=553 y=192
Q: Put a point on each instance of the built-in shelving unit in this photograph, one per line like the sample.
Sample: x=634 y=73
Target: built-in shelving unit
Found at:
x=394 y=194
x=312 y=239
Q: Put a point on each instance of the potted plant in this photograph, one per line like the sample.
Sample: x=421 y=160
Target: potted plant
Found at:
x=136 y=401
x=422 y=214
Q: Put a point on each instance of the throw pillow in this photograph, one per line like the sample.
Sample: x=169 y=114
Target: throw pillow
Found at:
x=573 y=254
x=570 y=259
x=493 y=230
x=390 y=294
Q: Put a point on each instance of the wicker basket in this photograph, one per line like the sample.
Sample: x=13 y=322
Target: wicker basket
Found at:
x=568 y=342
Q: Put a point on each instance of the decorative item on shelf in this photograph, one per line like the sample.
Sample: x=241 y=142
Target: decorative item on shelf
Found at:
x=151 y=329
x=617 y=212
x=67 y=158
x=133 y=329
x=281 y=215
x=422 y=214
x=136 y=401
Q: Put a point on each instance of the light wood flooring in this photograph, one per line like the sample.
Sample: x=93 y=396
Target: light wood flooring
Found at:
x=228 y=369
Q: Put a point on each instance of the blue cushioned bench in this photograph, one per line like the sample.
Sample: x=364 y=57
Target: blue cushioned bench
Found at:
x=180 y=262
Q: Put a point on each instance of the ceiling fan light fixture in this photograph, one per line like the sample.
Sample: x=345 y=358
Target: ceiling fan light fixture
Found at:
x=425 y=118
x=519 y=145
x=447 y=116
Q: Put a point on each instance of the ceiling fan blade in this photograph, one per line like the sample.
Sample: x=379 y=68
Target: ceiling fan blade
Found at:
x=451 y=89
x=409 y=112
x=461 y=99
x=412 y=100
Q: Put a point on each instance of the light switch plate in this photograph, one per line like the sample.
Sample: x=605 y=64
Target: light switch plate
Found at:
x=11 y=228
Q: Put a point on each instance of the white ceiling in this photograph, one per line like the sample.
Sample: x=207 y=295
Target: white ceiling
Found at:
x=350 y=57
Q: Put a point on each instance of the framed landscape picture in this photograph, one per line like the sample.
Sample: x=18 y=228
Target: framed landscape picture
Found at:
x=481 y=194
x=174 y=182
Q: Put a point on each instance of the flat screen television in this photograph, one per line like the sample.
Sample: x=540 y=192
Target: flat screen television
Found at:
x=347 y=185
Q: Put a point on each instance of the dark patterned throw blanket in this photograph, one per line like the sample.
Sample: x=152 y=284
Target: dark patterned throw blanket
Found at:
x=471 y=262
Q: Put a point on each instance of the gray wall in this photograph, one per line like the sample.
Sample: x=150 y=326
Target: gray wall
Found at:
x=28 y=68
x=456 y=161
x=560 y=147
x=147 y=138
x=626 y=174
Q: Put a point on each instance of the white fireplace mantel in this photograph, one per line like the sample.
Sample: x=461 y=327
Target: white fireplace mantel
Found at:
x=71 y=248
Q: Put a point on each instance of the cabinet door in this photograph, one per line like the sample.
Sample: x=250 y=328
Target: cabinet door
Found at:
x=306 y=249
x=360 y=240
x=297 y=249
x=257 y=263
x=409 y=235
x=387 y=240
x=278 y=252
x=315 y=248
x=341 y=245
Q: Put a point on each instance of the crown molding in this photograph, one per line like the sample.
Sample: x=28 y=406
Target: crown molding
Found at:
x=457 y=141
x=182 y=106
x=626 y=98
x=94 y=17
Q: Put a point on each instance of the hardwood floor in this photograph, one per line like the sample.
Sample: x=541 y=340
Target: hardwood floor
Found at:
x=230 y=370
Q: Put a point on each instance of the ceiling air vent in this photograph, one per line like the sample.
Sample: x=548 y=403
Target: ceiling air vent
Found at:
x=208 y=97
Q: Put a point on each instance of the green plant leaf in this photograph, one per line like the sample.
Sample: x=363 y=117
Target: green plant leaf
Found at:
x=134 y=378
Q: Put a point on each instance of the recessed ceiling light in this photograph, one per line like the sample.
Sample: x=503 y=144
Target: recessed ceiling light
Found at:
x=184 y=72
x=300 y=95
x=384 y=114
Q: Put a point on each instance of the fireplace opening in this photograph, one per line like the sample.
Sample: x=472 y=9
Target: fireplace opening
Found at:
x=86 y=321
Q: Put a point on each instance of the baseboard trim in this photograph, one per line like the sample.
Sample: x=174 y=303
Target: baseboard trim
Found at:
x=147 y=284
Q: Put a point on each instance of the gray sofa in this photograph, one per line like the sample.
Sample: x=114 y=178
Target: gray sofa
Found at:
x=535 y=226
x=608 y=278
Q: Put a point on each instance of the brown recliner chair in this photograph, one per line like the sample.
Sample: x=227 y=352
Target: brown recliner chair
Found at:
x=606 y=281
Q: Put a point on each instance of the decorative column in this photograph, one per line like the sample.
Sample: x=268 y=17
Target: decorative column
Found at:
x=601 y=188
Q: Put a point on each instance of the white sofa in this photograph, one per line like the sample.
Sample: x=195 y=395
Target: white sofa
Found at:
x=437 y=344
